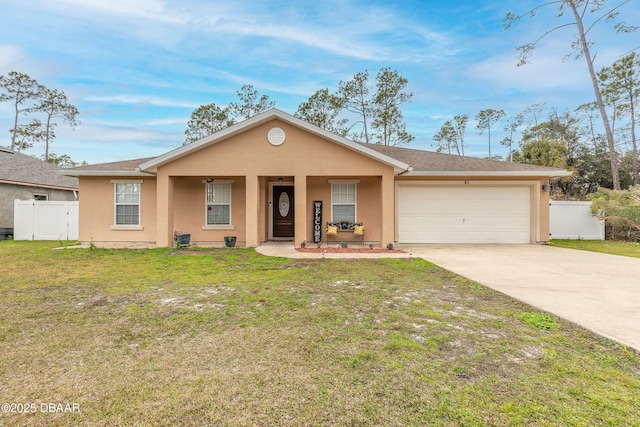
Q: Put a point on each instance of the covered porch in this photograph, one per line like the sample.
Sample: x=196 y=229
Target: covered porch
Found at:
x=257 y=209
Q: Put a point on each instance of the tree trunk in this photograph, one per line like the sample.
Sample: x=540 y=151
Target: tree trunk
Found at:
x=15 y=129
x=46 y=139
x=615 y=170
x=364 y=122
x=489 y=140
x=634 y=151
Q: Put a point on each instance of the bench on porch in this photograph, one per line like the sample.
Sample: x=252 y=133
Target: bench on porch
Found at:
x=355 y=228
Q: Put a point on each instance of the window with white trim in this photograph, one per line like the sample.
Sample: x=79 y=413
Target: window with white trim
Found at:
x=343 y=202
x=127 y=204
x=218 y=203
x=40 y=197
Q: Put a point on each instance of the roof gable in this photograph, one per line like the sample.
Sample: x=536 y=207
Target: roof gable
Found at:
x=152 y=165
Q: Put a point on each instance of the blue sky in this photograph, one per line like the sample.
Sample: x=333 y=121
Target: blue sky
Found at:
x=136 y=69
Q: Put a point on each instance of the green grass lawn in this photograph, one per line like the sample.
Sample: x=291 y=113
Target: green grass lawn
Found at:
x=232 y=338
x=631 y=249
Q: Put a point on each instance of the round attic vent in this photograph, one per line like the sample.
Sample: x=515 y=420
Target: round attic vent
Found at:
x=276 y=136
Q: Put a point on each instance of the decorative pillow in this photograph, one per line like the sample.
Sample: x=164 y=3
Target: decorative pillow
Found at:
x=332 y=230
x=358 y=230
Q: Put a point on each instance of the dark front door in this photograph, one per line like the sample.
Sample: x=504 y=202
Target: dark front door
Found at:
x=283 y=209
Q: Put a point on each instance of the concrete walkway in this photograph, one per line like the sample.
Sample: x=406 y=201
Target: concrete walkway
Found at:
x=597 y=291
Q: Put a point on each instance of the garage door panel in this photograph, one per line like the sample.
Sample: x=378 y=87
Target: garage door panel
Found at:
x=429 y=214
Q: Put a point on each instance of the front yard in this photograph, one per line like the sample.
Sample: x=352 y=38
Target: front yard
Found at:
x=612 y=247
x=229 y=337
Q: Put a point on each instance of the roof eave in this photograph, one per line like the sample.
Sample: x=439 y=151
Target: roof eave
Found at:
x=104 y=173
x=550 y=174
x=35 y=184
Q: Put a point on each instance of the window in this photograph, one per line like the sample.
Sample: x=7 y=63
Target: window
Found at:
x=40 y=197
x=218 y=203
x=127 y=204
x=343 y=202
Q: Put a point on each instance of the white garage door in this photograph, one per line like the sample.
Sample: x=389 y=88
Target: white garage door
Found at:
x=463 y=214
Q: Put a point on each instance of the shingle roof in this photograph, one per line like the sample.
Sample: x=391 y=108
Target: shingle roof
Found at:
x=429 y=161
x=122 y=166
x=22 y=169
x=422 y=163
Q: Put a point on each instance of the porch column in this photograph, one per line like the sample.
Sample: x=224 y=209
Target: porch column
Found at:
x=164 y=211
x=388 y=209
x=252 y=209
x=301 y=218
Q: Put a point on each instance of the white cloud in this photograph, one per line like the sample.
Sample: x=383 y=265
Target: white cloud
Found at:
x=330 y=42
x=9 y=56
x=167 y=121
x=95 y=131
x=141 y=99
x=544 y=73
x=340 y=28
x=146 y=9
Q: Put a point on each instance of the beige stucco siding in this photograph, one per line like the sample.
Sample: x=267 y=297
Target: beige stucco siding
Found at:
x=368 y=206
x=189 y=204
x=175 y=199
x=249 y=153
x=97 y=211
x=252 y=162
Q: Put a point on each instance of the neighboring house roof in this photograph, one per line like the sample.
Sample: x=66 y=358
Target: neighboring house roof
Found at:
x=20 y=169
x=429 y=163
x=405 y=161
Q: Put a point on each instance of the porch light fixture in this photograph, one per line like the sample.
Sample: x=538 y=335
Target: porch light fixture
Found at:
x=546 y=187
x=209 y=179
x=280 y=180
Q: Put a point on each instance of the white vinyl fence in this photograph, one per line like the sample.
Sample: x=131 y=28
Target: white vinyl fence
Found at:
x=573 y=220
x=45 y=220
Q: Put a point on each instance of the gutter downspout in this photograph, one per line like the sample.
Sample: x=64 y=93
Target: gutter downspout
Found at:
x=409 y=169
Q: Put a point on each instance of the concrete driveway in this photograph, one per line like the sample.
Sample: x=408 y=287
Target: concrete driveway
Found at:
x=597 y=291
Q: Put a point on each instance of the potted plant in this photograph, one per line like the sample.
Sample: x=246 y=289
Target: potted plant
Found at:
x=183 y=239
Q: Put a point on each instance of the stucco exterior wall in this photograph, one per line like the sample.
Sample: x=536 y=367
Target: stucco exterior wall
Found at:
x=368 y=207
x=97 y=211
x=11 y=192
x=174 y=200
x=249 y=153
x=190 y=209
x=248 y=158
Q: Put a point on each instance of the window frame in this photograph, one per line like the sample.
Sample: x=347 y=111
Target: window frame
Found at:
x=207 y=204
x=335 y=183
x=117 y=226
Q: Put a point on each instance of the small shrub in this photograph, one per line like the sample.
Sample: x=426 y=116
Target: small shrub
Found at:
x=620 y=210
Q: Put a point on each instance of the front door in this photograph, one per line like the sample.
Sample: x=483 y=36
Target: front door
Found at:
x=283 y=211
